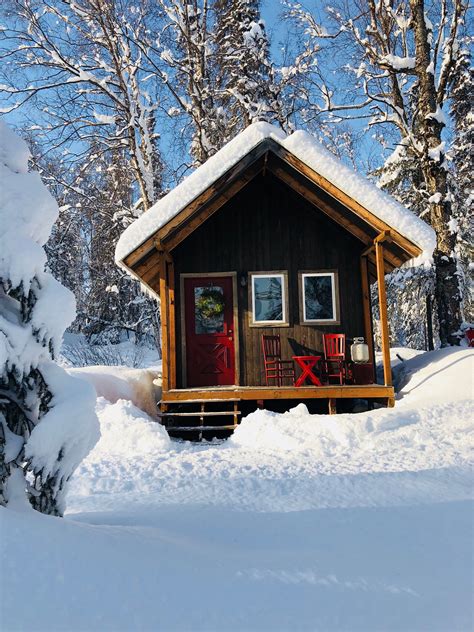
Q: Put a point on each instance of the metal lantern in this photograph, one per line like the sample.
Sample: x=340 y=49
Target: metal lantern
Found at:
x=359 y=351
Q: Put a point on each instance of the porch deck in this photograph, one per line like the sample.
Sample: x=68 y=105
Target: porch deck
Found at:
x=331 y=393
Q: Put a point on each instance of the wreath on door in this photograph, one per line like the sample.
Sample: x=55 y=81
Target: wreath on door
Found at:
x=211 y=302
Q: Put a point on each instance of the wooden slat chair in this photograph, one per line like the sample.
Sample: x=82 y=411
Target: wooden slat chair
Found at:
x=276 y=368
x=334 y=363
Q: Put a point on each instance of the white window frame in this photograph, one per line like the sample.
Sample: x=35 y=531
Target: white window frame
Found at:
x=283 y=275
x=335 y=320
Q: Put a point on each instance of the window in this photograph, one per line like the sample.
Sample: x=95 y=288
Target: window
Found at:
x=319 y=297
x=268 y=298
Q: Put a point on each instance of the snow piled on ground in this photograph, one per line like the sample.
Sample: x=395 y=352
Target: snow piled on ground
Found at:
x=297 y=461
x=348 y=522
x=305 y=147
x=127 y=430
x=140 y=386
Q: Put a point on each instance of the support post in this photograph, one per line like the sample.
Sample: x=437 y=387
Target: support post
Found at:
x=387 y=369
x=332 y=406
x=171 y=324
x=164 y=324
x=369 y=336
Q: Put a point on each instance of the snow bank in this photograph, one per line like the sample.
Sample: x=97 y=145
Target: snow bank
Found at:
x=419 y=451
x=201 y=569
x=140 y=386
x=325 y=435
x=128 y=433
x=308 y=150
x=433 y=386
x=436 y=377
x=303 y=512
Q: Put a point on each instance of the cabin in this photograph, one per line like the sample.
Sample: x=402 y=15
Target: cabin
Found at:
x=256 y=257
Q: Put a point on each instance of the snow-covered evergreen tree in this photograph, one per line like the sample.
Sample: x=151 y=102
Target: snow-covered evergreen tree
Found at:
x=47 y=418
x=245 y=75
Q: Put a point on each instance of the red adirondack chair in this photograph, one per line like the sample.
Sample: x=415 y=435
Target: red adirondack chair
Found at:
x=276 y=368
x=334 y=363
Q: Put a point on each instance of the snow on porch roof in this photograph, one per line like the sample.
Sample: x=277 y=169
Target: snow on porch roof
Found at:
x=309 y=151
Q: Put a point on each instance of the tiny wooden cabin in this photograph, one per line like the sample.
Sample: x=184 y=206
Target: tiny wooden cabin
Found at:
x=271 y=236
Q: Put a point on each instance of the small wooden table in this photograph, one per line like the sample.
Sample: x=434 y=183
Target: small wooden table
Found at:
x=307 y=364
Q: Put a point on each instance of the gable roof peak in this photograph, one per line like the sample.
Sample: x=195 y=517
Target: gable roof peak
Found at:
x=308 y=150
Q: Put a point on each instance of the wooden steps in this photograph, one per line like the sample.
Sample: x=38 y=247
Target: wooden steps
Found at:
x=200 y=429
x=207 y=413
x=174 y=414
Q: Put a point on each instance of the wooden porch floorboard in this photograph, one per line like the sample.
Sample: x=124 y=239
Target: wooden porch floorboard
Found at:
x=254 y=393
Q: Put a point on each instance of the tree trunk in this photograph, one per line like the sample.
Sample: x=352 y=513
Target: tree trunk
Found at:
x=447 y=294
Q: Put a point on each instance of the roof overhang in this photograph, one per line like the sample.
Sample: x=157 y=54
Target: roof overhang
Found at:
x=269 y=156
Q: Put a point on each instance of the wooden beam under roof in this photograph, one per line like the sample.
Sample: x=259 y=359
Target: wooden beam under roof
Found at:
x=199 y=201
x=290 y=177
x=410 y=248
x=215 y=196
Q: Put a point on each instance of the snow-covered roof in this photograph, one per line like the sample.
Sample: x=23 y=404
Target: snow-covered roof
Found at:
x=309 y=151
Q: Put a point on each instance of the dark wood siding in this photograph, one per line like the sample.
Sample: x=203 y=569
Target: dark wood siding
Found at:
x=267 y=226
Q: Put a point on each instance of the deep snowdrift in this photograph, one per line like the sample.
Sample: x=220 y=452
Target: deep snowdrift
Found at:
x=140 y=386
x=294 y=461
x=351 y=522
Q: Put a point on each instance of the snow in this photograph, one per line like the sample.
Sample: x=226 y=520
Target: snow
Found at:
x=308 y=150
x=348 y=522
x=28 y=212
x=435 y=152
x=127 y=431
x=106 y=119
x=438 y=115
x=23 y=231
x=446 y=379
x=296 y=461
x=76 y=351
x=435 y=198
x=399 y=63
x=142 y=387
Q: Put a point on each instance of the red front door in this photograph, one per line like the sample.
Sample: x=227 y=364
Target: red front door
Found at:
x=209 y=327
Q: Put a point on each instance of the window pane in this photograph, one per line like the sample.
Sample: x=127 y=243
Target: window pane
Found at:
x=318 y=297
x=268 y=298
x=209 y=309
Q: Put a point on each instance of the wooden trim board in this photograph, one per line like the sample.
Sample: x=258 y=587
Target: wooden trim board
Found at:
x=387 y=369
x=254 y=393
